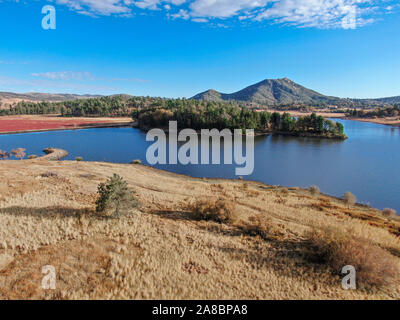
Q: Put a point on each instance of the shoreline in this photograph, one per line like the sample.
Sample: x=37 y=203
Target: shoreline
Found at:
x=133 y=124
x=266 y=133
x=88 y=126
x=337 y=115
x=57 y=199
x=383 y=121
x=57 y=155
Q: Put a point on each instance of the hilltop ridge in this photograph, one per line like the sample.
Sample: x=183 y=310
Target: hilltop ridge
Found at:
x=285 y=91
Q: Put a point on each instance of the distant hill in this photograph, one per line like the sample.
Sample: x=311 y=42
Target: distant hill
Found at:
x=380 y=101
x=285 y=91
x=9 y=97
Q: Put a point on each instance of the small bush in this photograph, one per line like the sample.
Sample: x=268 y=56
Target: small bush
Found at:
x=78 y=159
x=336 y=248
x=136 y=162
x=259 y=225
x=115 y=197
x=389 y=213
x=284 y=191
x=218 y=210
x=49 y=174
x=350 y=198
x=32 y=156
x=315 y=190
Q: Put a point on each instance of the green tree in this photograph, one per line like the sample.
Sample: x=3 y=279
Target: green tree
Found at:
x=115 y=197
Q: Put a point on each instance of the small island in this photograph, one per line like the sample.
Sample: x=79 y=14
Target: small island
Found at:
x=223 y=116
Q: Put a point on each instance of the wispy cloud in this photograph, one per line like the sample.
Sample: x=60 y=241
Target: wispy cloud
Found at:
x=44 y=85
x=129 y=80
x=64 y=75
x=80 y=76
x=299 y=13
x=12 y=62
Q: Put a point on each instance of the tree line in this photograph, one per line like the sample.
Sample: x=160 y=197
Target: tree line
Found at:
x=392 y=111
x=154 y=112
x=111 y=106
x=220 y=116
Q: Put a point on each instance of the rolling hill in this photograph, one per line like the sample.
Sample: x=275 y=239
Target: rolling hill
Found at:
x=9 y=97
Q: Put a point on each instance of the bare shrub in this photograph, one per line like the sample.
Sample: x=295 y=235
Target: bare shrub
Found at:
x=79 y=159
x=49 y=174
x=389 y=213
x=218 y=210
x=115 y=197
x=375 y=267
x=314 y=190
x=285 y=192
x=350 y=198
x=136 y=162
x=260 y=225
x=32 y=156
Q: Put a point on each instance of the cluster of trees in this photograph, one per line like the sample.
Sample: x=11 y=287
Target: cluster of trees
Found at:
x=24 y=107
x=222 y=116
x=393 y=111
x=197 y=114
x=112 y=106
x=95 y=107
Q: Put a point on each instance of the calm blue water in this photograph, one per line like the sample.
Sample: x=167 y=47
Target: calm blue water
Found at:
x=367 y=164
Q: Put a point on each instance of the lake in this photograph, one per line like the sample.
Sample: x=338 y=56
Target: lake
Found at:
x=367 y=164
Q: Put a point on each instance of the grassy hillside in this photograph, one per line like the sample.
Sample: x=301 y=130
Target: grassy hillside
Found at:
x=162 y=251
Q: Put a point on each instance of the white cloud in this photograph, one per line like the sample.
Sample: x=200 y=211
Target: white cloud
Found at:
x=315 y=13
x=199 y=20
x=43 y=85
x=102 y=7
x=299 y=13
x=224 y=8
x=79 y=76
x=64 y=75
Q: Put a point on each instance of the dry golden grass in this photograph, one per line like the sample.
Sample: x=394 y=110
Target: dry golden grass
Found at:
x=160 y=251
x=338 y=248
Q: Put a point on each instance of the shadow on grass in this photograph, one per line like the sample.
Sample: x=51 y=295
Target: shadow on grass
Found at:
x=208 y=225
x=52 y=212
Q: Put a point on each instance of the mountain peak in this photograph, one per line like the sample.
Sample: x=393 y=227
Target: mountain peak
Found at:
x=267 y=92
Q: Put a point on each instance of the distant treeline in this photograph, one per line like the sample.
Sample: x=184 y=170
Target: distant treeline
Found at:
x=124 y=105
x=221 y=116
x=376 y=113
x=112 y=106
x=197 y=114
x=94 y=107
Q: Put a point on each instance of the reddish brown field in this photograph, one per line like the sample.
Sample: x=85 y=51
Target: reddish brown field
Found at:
x=43 y=123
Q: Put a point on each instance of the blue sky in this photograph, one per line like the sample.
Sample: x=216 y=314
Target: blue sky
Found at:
x=177 y=48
